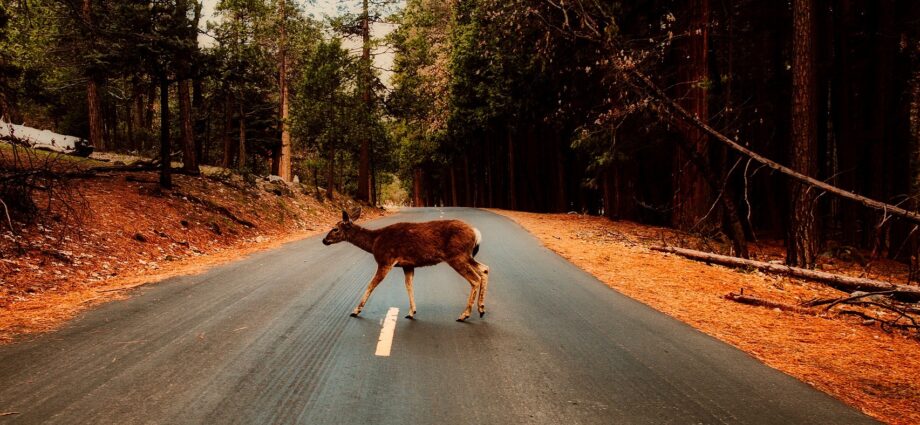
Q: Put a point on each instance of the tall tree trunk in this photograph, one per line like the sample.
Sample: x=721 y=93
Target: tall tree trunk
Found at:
x=200 y=119
x=512 y=194
x=802 y=243
x=453 y=186
x=364 y=168
x=241 y=150
x=691 y=195
x=189 y=159
x=284 y=157
x=225 y=135
x=165 y=163
x=330 y=175
x=93 y=101
x=417 y=188
x=914 y=87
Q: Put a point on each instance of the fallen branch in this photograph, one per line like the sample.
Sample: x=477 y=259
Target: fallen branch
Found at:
x=677 y=110
x=844 y=283
x=749 y=300
x=216 y=207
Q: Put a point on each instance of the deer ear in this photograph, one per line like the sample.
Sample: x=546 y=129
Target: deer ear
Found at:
x=355 y=213
x=345 y=216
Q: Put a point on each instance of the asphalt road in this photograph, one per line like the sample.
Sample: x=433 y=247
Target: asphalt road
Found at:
x=269 y=340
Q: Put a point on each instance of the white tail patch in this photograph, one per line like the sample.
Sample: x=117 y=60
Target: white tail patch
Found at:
x=478 y=235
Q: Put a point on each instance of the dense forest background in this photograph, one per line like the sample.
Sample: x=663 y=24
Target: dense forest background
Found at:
x=625 y=109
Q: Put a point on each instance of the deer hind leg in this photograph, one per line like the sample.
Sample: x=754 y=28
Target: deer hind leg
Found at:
x=382 y=271
x=410 y=273
x=483 y=271
x=472 y=277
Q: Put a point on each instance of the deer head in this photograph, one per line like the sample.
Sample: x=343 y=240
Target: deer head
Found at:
x=342 y=229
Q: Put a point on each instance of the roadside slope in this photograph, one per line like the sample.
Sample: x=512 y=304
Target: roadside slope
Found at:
x=865 y=367
x=125 y=231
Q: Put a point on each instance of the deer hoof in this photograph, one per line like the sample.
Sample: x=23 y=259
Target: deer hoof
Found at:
x=353 y=314
x=461 y=320
x=410 y=317
x=481 y=314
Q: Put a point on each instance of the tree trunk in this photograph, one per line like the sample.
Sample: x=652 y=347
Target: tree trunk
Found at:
x=512 y=195
x=330 y=175
x=165 y=163
x=453 y=187
x=225 y=135
x=200 y=119
x=93 y=101
x=189 y=159
x=364 y=168
x=802 y=243
x=241 y=150
x=914 y=86
x=417 y=188
x=284 y=158
x=691 y=196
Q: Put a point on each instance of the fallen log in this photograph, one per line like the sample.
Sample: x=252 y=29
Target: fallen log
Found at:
x=843 y=283
x=749 y=300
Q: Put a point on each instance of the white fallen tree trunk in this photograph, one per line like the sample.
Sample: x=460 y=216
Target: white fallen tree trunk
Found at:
x=44 y=139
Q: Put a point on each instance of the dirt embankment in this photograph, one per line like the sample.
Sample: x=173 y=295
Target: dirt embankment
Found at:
x=874 y=371
x=126 y=231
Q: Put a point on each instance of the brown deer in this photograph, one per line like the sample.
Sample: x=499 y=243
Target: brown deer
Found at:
x=411 y=245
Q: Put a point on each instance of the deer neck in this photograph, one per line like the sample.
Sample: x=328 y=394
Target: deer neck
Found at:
x=362 y=238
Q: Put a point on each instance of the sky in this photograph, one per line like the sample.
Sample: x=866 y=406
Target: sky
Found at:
x=383 y=58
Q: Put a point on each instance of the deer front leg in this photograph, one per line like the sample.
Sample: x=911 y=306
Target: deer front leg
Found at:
x=378 y=277
x=410 y=273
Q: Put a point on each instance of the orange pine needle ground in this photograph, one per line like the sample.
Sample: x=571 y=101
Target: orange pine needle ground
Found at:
x=865 y=367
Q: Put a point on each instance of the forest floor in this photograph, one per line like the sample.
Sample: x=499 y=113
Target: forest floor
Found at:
x=125 y=231
x=862 y=365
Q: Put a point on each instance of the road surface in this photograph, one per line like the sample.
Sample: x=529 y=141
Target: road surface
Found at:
x=269 y=340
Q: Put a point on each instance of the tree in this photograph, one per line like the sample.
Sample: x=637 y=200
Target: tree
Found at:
x=802 y=243
x=93 y=81
x=284 y=157
x=327 y=106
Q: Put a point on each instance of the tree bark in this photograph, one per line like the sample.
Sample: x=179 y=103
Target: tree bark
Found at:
x=914 y=115
x=453 y=187
x=284 y=158
x=512 y=193
x=364 y=168
x=691 y=198
x=241 y=150
x=93 y=101
x=330 y=175
x=165 y=145
x=187 y=132
x=802 y=242
x=417 y=188
x=225 y=135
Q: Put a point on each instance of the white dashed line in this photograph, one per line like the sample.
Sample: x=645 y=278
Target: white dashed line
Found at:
x=386 y=333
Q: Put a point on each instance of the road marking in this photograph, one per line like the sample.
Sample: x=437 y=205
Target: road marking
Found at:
x=386 y=333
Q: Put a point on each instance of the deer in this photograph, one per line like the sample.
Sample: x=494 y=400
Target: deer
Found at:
x=412 y=245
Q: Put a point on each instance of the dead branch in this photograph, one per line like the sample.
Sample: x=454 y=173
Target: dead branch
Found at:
x=674 y=108
x=845 y=283
x=749 y=300
x=857 y=296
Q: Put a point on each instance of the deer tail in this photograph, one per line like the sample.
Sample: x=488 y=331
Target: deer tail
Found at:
x=478 y=240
